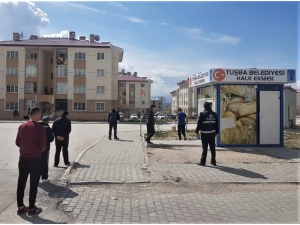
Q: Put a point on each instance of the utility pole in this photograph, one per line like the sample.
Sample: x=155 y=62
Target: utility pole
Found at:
x=141 y=114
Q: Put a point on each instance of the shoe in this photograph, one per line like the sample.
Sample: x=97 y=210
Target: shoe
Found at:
x=35 y=210
x=185 y=139
x=109 y=139
x=214 y=164
x=149 y=142
x=45 y=180
x=55 y=165
x=116 y=138
x=68 y=164
x=201 y=164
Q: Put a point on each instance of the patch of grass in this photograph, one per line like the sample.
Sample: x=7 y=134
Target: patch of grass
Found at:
x=292 y=140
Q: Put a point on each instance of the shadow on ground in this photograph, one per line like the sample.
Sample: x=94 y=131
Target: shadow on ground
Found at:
x=35 y=219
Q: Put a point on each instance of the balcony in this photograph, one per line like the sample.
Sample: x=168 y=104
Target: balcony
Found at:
x=61 y=56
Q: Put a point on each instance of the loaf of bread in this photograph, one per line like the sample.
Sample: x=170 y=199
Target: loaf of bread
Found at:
x=229 y=114
x=239 y=90
x=252 y=117
x=237 y=99
x=246 y=122
x=247 y=108
x=234 y=107
x=238 y=124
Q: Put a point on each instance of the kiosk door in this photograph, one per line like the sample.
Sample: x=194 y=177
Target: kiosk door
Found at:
x=269 y=117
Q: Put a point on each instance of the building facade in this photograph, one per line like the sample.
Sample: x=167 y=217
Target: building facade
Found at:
x=158 y=104
x=175 y=101
x=59 y=74
x=186 y=98
x=134 y=93
x=290 y=106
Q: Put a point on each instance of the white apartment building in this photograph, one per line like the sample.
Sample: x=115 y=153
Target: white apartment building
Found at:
x=175 y=101
x=186 y=98
x=134 y=93
x=59 y=74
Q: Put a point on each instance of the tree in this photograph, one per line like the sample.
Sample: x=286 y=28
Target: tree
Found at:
x=46 y=107
x=15 y=113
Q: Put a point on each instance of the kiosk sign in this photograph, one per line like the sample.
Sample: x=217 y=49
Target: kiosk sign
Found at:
x=199 y=79
x=253 y=75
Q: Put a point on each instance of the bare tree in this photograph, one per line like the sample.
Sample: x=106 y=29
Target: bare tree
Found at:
x=46 y=107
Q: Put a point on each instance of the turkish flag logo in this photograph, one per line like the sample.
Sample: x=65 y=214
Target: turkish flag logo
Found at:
x=219 y=75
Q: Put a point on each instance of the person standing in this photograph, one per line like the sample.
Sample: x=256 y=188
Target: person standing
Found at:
x=31 y=141
x=113 y=117
x=182 y=120
x=62 y=128
x=45 y=154
x=150 y=124
x=209 y=127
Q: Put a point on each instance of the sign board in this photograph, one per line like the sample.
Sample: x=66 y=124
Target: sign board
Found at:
x=199 y=79
x=253 y=75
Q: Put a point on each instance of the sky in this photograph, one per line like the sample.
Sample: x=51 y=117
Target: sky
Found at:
x=170 y=41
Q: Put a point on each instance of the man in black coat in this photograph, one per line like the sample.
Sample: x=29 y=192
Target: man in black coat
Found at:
x=45 y=153
x=62 y=129
x=209 y=127
x=150 y=124
x=113 y=117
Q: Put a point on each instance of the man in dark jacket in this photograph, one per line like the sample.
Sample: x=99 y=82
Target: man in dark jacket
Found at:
x=62 y=129
x=209 y=127
x=113 y=117
x=45 y=154
x=150 y=124
x=31 y=141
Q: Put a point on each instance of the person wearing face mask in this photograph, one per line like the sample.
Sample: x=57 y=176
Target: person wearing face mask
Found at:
x=113 y=117
x=150 y=124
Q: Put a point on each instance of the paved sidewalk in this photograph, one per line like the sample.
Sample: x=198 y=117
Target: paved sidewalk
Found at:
x=112 y=161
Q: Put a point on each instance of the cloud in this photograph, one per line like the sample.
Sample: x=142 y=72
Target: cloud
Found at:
x=77 y=6
x=118 y=5
x=198 y=34
x=64 y=33
x=21 y=16
x=164 y=72
x=164 y=24
x=134 y=19
x=127 y=66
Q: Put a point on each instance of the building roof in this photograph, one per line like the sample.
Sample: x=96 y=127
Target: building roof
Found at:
x=174 y=91
x=290 y=87
x=126 y=77
x=183 y=82
x=56 y=42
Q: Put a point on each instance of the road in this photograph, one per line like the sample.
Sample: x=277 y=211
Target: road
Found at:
x=82 y=136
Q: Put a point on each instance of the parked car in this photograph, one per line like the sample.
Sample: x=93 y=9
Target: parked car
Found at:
x=162 y=117
x=133 y=116
x=172 y=117
x=144 y=116
x=121 y=114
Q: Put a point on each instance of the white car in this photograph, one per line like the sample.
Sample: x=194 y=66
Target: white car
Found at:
x=121 y=114
x=133 y=116
x=162 y=117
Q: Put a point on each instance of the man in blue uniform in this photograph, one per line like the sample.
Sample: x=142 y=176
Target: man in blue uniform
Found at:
x=181 y=117
x=209 y=127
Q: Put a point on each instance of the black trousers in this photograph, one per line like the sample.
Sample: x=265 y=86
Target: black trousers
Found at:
x=45 y=164
x=26 y=167
x=181 y=129
x=64 y=145
x=112 y=125
x=208 y=139
x=150 y=131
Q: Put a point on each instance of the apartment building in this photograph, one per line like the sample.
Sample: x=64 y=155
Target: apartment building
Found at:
x=134 y=93
x=186 y=97
x=175 y=101
x=290 y=106
x=57 y=74
x=158 y=104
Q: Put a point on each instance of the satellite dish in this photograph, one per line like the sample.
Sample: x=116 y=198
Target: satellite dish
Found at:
x=97 y=38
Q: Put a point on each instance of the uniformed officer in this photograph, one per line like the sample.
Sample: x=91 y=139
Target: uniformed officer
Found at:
x=208 y=125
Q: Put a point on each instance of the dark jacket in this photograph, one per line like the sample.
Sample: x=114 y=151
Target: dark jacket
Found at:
x=150 y=117
x=31 y=140
x=48 y=134
x=62 y=127
x=208 y=122
x=113 y=117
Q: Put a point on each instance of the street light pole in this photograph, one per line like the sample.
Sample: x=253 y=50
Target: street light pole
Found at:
x=141 y=114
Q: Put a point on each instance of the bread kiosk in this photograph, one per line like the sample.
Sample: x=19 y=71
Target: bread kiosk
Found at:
x=249 y=103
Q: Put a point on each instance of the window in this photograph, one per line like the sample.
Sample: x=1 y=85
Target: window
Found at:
x=100 y=106
x=11 y=71
x=100 y=73
x=122 y=93
x=132 y=93
x=61 y=71
x=122 y=84
x=142 y=85
x=79 y=72
x=79 y=106
x=123 y=101
x=79 y=89
x=61 y=104
x=131 y=85
x=61 y=87
x=131 y=102
x=143 y=102
x=30 y=87
x=100 y=56
x=33 y=55
x=80 y=55
x=30 y=71
x=100 y=89
x=12 y=88
x=12 y=54
x=29 y=103
x=11 y=106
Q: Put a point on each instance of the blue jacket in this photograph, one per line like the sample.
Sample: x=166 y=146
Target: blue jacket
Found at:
x=208 y=122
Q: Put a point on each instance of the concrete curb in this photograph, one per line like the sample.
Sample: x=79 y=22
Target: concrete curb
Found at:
x=68 y=171
x=238 y=182
x=108 y=182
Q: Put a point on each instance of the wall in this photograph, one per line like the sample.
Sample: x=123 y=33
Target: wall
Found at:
x=289 y=99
